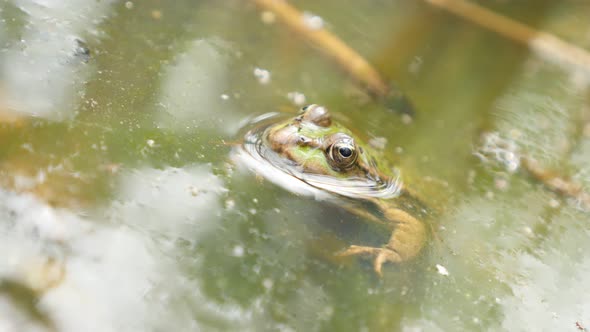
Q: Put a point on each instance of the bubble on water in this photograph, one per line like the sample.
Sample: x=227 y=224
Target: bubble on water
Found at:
x=442 y=270
x=230 y=204
x=406 y=119
x=156 y=14
x=238 y=251
x=528 y=231
x=129 y=5
x=27 y=147
x=256 y=269
x=194 y=191
x=404 y=291
x=267 y=283
x=501 y=183
x=378 y=143
x=150 y=142
x=297 y=98
x=262 y=75
x=224 y=97
x=313 y=21
x=496 y=149
x=268 y=17
x=415 y=65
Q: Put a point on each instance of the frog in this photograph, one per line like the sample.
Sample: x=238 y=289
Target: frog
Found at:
x=326 y=157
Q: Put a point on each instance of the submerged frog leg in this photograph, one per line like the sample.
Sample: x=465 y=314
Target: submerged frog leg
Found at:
x=406 y=241
x=382 y=255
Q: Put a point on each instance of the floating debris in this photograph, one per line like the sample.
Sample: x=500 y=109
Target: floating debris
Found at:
x=501 y=183
x=81 y=50
x=156 y=14
x=238 y=251
x=230 y=204
x=313 y=21
x=194 y=191
x=262 y=75
x=406 y=119
x=442 y=270
x=297 y=98
x=268 y=17
x=267 y=283
x=378 y=143
x=553 y=203
x=500 y=150
x=415 y=65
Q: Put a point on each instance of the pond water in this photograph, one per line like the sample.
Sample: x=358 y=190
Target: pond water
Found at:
x=120 y=209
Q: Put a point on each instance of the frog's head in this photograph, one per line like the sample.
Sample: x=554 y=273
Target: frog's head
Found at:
x=319 y=145
x=320 y=152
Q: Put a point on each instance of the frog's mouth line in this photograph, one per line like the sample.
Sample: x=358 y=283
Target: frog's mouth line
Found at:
x=257 y=156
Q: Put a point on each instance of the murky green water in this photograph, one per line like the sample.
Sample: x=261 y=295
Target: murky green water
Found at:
x=120 y=210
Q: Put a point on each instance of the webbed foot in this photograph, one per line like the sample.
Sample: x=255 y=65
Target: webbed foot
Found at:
x=382 y=255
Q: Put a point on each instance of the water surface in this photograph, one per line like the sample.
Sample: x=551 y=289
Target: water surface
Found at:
x=121 y=210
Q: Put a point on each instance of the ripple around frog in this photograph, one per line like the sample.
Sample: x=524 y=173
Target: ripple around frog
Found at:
x=256 y=155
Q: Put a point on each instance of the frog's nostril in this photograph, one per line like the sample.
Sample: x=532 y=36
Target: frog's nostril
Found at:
x=304 y=108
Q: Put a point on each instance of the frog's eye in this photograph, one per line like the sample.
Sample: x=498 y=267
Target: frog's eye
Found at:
x=345 y=151
x=342 y=152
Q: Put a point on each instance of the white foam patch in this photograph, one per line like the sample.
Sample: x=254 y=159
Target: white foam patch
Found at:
x=119 y=276
x=550 y=295
x=171 y=200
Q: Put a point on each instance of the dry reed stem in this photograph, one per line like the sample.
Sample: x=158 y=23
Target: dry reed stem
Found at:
x=546 y=45
x=557 y=183
x=335 y=48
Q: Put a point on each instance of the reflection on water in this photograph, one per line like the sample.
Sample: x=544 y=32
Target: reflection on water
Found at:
x=120 y=210
x=116 y=270
x=195 y=84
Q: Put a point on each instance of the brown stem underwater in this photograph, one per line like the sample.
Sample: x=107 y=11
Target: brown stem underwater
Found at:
x=335 y=48
x=546 y=44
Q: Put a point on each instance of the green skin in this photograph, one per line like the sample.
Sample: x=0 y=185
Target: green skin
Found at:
x=313 y=142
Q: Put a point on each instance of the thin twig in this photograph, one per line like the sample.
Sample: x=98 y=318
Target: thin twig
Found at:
x=346 y=57
x=556 y=183
x=545 y=44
